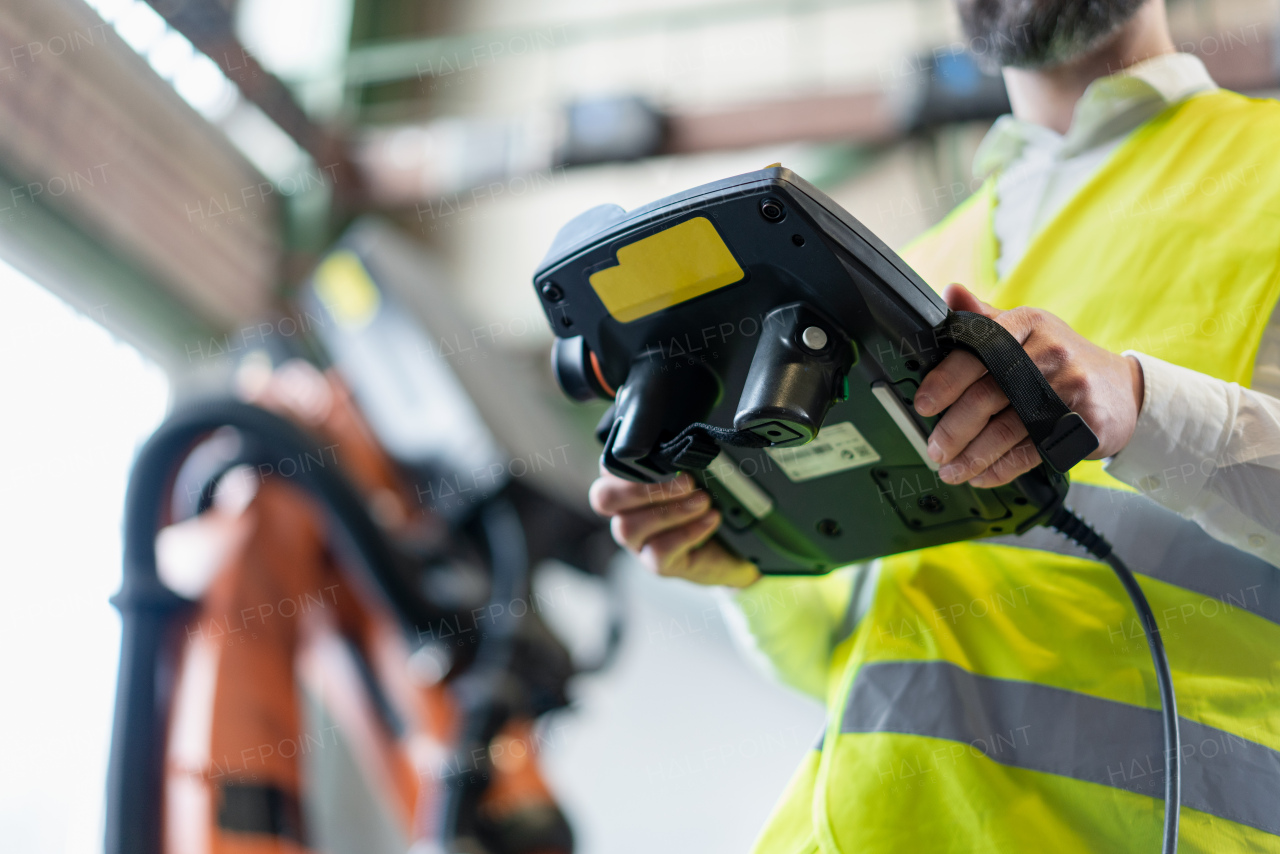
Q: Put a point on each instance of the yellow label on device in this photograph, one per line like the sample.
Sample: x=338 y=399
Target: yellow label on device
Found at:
x=666 y=269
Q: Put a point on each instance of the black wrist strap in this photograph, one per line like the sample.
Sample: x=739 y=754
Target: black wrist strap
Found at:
x=1060 y=435
x=698 y=444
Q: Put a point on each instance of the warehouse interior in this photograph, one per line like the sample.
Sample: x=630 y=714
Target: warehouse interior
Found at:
x=181 y=183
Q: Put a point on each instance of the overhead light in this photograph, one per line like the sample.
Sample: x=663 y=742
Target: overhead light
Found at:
x=170 y=54
x=267 y=147
x=140 y=26
x=110 y=10
x=201 y=83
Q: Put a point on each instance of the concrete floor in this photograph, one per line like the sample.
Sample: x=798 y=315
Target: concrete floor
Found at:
x=682 y=745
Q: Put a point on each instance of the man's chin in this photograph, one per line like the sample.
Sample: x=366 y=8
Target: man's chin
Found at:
x=1037 y=35
x=1059 y=56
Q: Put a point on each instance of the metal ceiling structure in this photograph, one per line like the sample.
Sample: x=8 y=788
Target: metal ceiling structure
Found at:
x=193 y=236
x=211 y=28
x=405 y=58
x=123 y=204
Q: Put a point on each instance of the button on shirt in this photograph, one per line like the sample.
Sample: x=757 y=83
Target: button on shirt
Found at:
x=1204 y=448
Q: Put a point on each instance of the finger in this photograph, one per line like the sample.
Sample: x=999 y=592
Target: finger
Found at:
x=960 y=298
x=943 y=385
x=633 y=528
x=1021 y=459
x=965 y=419
x=610 y=494
x=712 y=563
x=669 y=553
x=681 y=477
x=940 y=388
x=1021 y=322
x=1002 y=433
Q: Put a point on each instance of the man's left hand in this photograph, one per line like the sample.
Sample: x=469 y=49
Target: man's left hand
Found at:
x=980 y=438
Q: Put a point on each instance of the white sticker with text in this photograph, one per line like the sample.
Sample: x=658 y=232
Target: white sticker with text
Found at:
x=837 y=447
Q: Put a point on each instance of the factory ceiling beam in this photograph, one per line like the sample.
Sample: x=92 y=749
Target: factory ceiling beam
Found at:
x=1244 y=60
x=390 y=61
x=89 y=131
x=209 y=26
x=860 y=116
x=453 y=162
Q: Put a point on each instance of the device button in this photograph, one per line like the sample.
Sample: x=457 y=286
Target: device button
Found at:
x=814 y=338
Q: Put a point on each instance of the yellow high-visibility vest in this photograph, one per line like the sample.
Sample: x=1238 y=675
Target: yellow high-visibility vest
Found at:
x=999 y=696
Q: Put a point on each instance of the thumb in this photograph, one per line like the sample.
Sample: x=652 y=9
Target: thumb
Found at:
x=959 y=298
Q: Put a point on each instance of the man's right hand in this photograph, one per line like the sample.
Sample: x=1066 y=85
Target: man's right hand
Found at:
x=669 y=527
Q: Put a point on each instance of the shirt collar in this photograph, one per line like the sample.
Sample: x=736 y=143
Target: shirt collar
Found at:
x=1109 y=108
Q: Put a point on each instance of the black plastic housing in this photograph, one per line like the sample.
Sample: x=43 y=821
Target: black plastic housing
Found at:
x=734 y=357
x=790 y=385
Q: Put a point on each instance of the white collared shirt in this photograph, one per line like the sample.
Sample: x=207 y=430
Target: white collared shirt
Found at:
x=1207 y=449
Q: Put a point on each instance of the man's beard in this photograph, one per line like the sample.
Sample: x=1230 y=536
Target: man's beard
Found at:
x=1040 y=33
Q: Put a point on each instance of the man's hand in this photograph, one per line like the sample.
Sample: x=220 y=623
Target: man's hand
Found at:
x=980 y=439
x=668 y=526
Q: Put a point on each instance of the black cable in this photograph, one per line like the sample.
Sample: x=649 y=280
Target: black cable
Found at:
x=148 y=608
x=484 y=691
x=1071 y=526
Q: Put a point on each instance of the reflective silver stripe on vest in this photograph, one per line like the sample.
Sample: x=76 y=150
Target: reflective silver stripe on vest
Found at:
x=866 y=577
x=1041 y=728
x=1159 y=543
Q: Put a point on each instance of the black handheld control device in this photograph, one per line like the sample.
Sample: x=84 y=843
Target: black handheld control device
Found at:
x=754 y=333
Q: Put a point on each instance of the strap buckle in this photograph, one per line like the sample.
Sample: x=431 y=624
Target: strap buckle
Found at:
x=1070 y=441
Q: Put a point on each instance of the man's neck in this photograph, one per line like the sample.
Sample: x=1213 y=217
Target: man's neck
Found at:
x=1048 y=96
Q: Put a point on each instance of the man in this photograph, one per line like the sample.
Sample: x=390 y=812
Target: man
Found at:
x=997 y=695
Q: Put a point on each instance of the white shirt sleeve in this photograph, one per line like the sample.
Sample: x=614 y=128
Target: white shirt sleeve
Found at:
x=1210 y=451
